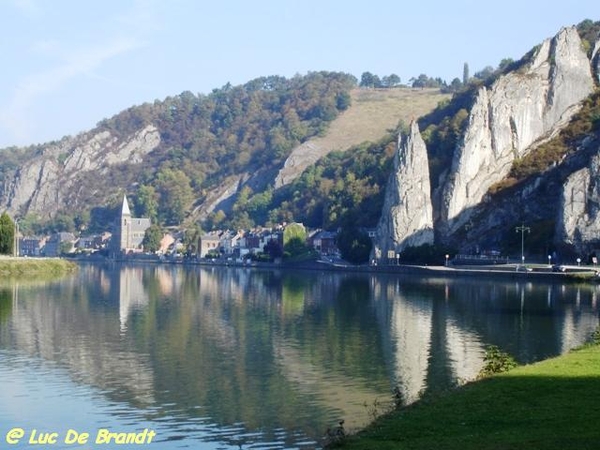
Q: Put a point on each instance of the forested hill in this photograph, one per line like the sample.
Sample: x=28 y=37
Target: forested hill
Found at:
x=171 y=155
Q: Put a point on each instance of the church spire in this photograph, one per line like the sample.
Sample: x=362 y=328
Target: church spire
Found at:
x=125 y=208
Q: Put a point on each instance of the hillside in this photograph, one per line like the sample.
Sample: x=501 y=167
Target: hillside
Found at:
x=373 y=113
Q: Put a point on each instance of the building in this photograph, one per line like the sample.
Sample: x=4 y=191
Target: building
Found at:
x=58 y=244
x=129 y=232
x=209 y=243
x=324 y=242
x=31 y=246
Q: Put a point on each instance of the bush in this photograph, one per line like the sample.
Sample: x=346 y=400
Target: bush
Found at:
x=496 y=361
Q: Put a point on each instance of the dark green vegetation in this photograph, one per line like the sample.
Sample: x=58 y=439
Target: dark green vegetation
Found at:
x=341 y=189
x=548 y=405
x=7 y=235
x=355 y=245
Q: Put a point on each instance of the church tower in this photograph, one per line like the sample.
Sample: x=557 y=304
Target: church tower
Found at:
x=128 y=233
x=125 y=226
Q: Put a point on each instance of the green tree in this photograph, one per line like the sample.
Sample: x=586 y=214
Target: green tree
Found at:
x=175 y=193
x=390 y=81
x=191 y=238
x=146 y=202
x=7 y=234
x=355 y=245
x=152 y=238
x=367 y=79
x=466 y=75
x=294 y=231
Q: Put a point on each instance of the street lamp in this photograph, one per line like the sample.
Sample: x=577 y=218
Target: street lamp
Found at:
x=522 y=229
x=447 y=256
x=16 y=239
x=550 y=260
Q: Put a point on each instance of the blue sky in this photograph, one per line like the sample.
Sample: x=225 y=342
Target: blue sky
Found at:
x=67 y=64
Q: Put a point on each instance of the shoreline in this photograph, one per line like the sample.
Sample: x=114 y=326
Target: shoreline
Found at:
x=532 y=272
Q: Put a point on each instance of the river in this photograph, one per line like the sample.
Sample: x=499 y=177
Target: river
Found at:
x=230 y=358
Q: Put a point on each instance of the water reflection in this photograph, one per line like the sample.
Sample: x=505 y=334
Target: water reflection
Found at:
x=230 y=357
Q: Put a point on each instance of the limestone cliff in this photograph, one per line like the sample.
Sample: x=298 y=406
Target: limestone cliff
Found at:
x=54 y=179
x=509 y=117
x=407 y=219
x=578 y=221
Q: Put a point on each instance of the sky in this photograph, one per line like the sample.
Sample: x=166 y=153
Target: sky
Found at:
x=68 y=64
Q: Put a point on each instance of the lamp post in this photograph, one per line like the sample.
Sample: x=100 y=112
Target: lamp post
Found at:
x=447 y=256
x=16 y=239
x=522 y=229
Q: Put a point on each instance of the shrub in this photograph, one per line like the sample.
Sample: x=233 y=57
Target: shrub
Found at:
x=496 y=361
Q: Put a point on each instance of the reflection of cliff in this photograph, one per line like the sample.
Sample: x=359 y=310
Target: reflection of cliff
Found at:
x=411 y=336
x=429 y=349
x=438 y=328
x=67 y=324
x=578 y=327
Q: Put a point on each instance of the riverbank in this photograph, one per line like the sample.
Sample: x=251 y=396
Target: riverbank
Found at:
x=530 y=272
x=10 y=266
x=548 y=405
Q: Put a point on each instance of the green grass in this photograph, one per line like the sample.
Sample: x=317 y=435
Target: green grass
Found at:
x=24 y=266
x=554 y=404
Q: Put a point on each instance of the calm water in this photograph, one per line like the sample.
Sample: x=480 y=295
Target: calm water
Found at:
x=221 y=358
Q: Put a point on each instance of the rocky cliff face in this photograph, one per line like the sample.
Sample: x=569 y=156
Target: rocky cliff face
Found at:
x=508 y=118
x=50 y=181
x=596 y=59
x=407 y=219
x=578 y=221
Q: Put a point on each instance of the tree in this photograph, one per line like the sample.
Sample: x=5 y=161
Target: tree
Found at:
x=355 y=245
x=273 y=249
x=504 y=63
x=152 y=238
x=7 y=234
x=367 y=79
x=191 y=238
x=466 y=74
x=294 y=239
x=455 y=85
x=390 y=81
x=146 y=202
x=484 y=73
x=294 y=231
x=175 y=193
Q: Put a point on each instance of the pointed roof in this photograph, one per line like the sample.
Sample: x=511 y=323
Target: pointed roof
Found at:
x=125 y=208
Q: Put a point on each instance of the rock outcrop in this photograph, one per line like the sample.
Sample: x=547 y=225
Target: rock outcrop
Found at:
x=508 y=118
x=596 y=59
x=407 y=219
x=46 y=183
x=578 y=221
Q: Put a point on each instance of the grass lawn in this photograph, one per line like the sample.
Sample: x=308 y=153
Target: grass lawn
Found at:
x=554 y=404
x=23 y=266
